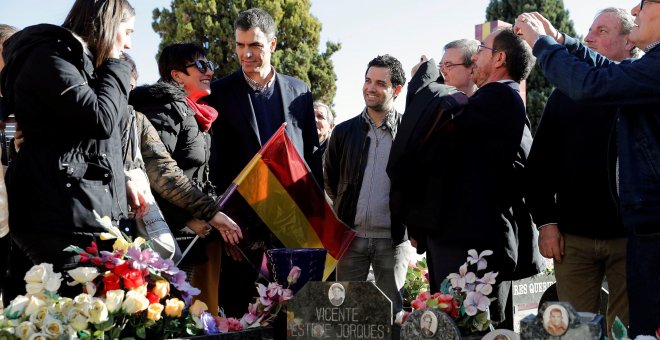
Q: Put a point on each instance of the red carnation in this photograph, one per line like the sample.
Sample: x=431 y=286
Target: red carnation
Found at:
x=132 y=278
x=153 y=298
x=111 y=282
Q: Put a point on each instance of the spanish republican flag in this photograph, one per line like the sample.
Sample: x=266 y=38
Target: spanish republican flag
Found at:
x=280 y=188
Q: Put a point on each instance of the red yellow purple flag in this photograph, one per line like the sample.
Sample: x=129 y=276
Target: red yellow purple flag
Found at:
x=280 y=188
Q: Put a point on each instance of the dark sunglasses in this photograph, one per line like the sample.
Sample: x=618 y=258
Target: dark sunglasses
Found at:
x=641 y=4
x=203 y=65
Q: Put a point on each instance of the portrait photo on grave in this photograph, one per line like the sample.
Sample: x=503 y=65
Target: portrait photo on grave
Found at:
x=501 y=334
x=428 y=324
x=555 y=320
x=318 y=331
x=336 y=294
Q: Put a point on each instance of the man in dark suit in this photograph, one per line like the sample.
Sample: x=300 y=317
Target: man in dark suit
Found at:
x=478 y=197
x=252 y=103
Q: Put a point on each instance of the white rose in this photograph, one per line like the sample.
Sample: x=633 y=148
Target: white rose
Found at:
x=77 y=319
x=41 y=277
x=25 y=330
x=37 y=274
x=34 y=305
x=83 y=275
x=82 y=301
x=38 y=336
x=52 y=327
x=113 y=299
x=39 y=316
x=17 y=307
x=63 y=306
x=134 y=302
x=98 y=312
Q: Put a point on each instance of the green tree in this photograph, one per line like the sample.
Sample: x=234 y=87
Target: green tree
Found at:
x=538 y=87
x=211 y=23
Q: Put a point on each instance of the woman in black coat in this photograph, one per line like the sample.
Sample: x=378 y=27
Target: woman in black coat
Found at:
x=68 y=89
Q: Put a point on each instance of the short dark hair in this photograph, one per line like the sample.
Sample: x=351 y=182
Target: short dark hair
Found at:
x=255 y=17
x=176 y=56
x=519 y=58
x=127 y=58
x=397 y=75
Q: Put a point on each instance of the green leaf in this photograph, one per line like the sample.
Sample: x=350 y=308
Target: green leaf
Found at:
x=141 y=332
x=619 y=330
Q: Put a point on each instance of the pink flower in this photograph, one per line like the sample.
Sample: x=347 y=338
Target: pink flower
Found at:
x=475 y=301
x=424 y=296
x=226 y=325
x=459 y=280
x=488 y=278
x=294 y=274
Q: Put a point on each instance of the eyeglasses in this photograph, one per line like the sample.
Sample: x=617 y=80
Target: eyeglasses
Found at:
x=203 y=65
x=481 y=47
x=447 y=65
x=641 y=4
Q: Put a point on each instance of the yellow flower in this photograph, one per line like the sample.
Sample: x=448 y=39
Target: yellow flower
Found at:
x=77 y=319
x=98 y=312
x=121 y=244
x=38 y=336
x=174 y=307
x=198 y=307
x=142 y=290
x=154 y=311
x=52 y=327
x=139 y=241
x=161 y=289
x=25 y=330
x=134 y=302
x=113 y=299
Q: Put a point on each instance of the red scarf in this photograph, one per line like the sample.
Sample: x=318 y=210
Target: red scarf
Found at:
x=204 y=114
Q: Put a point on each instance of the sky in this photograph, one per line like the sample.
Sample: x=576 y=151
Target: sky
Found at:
x=365 y=28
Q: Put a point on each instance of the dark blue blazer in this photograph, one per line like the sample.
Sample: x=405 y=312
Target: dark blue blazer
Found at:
x=235 y=132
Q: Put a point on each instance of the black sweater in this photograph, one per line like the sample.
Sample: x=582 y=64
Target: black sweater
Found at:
x=573 y=157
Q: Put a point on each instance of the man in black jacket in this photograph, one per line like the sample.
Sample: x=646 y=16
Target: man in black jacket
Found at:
x=476 y=187
x=354 y=170
x=572 y=193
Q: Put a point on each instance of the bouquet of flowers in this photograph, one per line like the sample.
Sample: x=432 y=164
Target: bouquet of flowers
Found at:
x=128 y=292
x=417 y=281
x=463 y=295
x=265 y=308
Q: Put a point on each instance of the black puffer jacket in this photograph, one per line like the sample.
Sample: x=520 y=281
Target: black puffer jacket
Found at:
x=165 y=106
x=70 y=162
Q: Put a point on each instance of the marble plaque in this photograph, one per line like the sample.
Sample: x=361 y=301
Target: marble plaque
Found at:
x=339 y=310
x=429 y=323
x=559 y=320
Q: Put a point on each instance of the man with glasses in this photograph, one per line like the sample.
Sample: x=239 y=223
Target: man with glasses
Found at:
x=633 y=85
x=571 y=194
x=252 y=104
x=456 y=65
x=481 y=198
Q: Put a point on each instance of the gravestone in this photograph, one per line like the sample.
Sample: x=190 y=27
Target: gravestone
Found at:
x=528 y=291
x=501 y=334
x=559 y=320
x=339 y=310
x=429 y=323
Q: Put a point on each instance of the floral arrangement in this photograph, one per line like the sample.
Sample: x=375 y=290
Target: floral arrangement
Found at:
x=265 y=308
x=463 y=295
x=130 y=292
x=417 y=281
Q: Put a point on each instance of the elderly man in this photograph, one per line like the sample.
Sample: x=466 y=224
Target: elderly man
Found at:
x=456 y=65
x=571 y=170
x=632 y=85
x=325 y=122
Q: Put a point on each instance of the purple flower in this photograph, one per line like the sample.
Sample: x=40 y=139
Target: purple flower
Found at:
x=475 y=301
x=479 y=259
x=208 y=323
x=142 y=258
x=488 y=278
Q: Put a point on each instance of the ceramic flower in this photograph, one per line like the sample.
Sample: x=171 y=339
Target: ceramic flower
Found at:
x=479 y=259
x=475 y=301
x=41 y=277
x=458 y=280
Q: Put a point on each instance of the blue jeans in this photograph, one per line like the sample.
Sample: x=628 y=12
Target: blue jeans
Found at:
x=643 y=268
x=385 y=259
